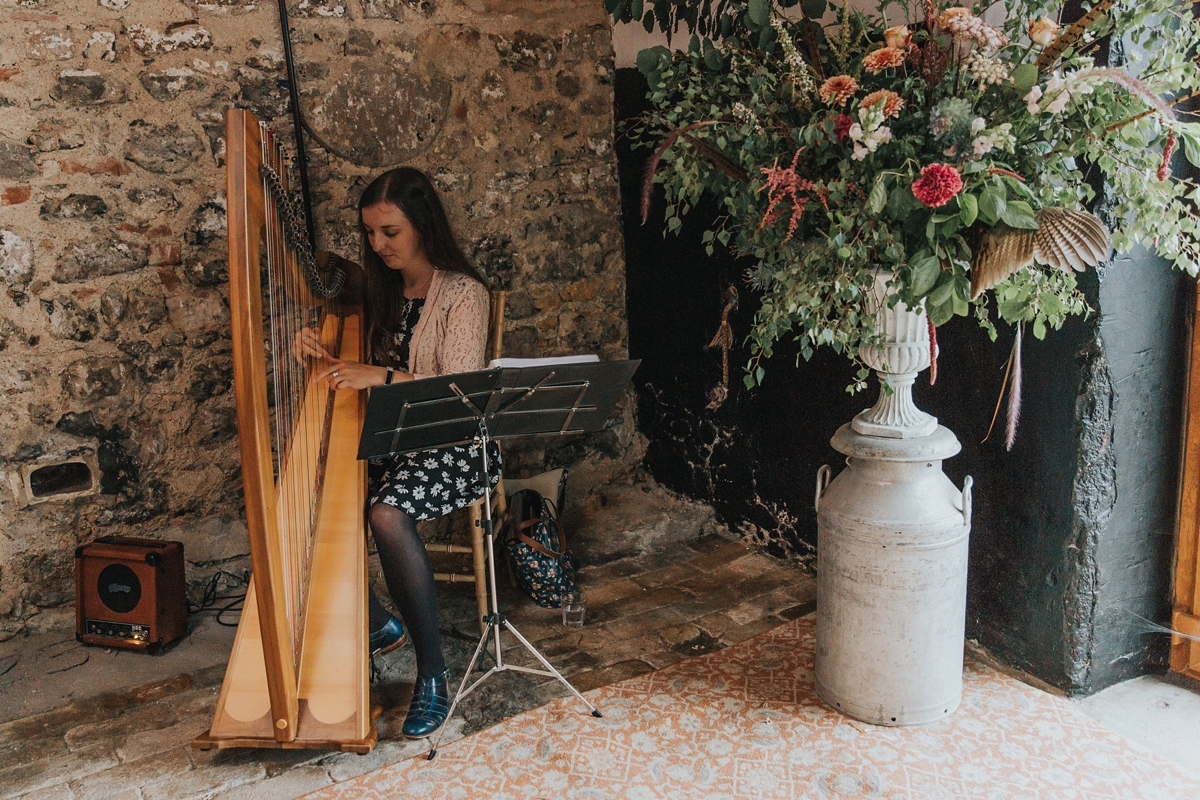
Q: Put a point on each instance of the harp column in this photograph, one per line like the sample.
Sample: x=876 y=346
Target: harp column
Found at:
x=892 y=547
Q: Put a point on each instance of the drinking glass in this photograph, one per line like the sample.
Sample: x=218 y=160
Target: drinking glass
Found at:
x=574 y=606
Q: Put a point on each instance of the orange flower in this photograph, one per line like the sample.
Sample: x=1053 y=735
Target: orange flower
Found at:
x=884 y=58
x=897 y=36
x=892 y=102
x=1042 y=31
x=837 y=90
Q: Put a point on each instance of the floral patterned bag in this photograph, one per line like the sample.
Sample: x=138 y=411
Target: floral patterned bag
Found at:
x=537 y=549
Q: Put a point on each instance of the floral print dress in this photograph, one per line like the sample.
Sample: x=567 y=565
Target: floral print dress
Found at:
x=428 y=483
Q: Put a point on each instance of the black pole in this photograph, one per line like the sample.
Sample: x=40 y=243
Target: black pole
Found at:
x=294 y=94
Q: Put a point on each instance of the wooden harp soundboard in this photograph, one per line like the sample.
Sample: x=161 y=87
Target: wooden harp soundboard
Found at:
x=298 y=673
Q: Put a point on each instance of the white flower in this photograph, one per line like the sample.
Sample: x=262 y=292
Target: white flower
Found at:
x=1035 y=94
x=1058 y=103
x=1002 y=137
x=1082 y=86
x=988 y=70
x=859 y=153
x=1055 y=83
x=978 y=124
x=881 y=135
x=855 y=132
x=982 y=144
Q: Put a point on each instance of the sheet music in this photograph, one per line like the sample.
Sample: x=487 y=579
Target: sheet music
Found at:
x=521 y=363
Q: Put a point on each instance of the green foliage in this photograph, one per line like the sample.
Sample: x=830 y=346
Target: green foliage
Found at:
x=823 y=207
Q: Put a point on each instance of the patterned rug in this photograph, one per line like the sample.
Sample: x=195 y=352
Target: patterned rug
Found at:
x=745 y=722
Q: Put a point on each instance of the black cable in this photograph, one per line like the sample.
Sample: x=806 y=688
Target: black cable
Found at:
x=294 y=94
x=234 y=601
x=210 y=597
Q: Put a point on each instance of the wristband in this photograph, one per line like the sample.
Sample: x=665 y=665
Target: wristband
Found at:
x=391 y=373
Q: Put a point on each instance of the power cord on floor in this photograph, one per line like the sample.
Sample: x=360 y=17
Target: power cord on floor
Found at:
x=209 y=600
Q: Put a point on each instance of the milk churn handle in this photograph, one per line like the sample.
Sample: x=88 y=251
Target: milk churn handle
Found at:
x=966 y=499
x=822 y=483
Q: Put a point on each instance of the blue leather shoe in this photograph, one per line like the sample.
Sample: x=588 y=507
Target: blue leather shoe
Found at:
x=429 y=707
x=387 y=638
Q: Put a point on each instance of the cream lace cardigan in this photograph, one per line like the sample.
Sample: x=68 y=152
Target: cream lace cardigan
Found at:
x=451 y=333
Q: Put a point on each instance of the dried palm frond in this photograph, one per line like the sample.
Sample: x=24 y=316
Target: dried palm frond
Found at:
x=1065 y=239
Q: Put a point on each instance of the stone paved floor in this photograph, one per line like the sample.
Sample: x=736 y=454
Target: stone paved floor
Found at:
x=662 y=584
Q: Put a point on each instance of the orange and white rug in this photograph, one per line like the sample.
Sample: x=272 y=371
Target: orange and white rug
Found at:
x=745 y=722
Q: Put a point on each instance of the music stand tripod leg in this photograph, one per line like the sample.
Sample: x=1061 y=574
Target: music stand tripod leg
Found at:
x=555 y=673
x=495 y=618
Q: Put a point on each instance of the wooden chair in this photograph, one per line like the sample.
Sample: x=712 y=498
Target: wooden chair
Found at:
x=475 y=515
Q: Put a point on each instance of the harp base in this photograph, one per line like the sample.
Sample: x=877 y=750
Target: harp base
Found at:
x=206 y=741
x=362 y=746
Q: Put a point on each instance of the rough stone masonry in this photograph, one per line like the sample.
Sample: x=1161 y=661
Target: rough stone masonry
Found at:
x=114 y=335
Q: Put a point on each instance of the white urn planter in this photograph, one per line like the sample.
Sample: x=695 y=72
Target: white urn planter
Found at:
x=892 y=547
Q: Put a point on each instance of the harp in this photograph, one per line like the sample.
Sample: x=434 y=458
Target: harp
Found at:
x=298 y=671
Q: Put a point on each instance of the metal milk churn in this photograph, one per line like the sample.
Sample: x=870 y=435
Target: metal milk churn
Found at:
x=891 y=579
x=892 y=544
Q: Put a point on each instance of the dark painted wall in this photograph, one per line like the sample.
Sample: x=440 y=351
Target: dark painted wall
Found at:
x=1072 y=529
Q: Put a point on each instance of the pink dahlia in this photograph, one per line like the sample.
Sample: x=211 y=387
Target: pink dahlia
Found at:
x=937 y=184
x=892 y=102
x=837 y=90
x=877 y=61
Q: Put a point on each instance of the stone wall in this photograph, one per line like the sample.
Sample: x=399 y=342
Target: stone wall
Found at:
x=114 y=342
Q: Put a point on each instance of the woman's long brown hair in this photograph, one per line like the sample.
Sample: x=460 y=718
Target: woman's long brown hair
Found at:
x=409 y=190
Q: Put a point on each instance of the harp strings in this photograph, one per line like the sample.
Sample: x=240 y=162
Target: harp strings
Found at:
x=299 y=413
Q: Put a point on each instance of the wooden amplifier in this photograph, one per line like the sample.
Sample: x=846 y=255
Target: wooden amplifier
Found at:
x=130 y=593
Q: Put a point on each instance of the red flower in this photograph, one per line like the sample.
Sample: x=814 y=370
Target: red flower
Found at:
x=937 y=184
x=841 y=126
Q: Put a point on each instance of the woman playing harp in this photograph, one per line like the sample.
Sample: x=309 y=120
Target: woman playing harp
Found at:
x=427 y=314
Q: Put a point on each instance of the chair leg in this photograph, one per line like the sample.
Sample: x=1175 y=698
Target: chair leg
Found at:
x=478 y=558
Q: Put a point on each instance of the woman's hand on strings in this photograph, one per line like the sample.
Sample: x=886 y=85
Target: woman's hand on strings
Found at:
x=350 y=374
x=307 y=344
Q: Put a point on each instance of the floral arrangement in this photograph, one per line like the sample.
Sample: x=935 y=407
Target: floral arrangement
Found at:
x=956 y=153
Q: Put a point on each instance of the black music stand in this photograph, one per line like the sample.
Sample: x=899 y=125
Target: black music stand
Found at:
x=500 y=403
